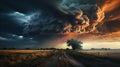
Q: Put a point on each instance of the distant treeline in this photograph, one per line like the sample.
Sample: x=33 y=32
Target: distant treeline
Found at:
x=100 y=48
x=32 y=48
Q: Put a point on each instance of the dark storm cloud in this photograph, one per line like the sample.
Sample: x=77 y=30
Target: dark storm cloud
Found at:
x=14 y=8
x=54 y=16
x=15 y=18
x=7 y=25
x=60 y=16
x=12 y=40
x=33 y=17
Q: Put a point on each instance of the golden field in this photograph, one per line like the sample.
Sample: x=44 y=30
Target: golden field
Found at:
x=15 y=57
x=103 y=53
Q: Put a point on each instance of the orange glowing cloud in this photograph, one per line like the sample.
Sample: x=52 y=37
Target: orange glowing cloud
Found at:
x=90 y=40
x=110 y=5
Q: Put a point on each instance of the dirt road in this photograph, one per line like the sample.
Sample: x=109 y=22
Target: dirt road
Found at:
x=66 y=59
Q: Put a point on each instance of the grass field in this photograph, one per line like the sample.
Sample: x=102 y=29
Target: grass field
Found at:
x=59 y=58
x=97 y=58
x=103 y=53
x=12 y=57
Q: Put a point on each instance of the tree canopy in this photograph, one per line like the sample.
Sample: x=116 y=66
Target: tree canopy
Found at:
x=75 y=44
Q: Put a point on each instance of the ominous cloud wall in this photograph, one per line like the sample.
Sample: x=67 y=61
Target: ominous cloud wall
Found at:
x=36 y=17
x=43 y=16
x=76 y=16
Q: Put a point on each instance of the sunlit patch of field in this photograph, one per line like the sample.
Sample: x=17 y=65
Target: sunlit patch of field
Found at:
x=22 y=51
x=14 y=57
x=97 y=58
x=103 y=53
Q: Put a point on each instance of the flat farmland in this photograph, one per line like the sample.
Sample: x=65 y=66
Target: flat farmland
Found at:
x=21 y=57
x=58 y=58
x=103 y=53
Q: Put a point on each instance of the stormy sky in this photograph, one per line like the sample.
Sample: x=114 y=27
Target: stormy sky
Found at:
x=50 y=23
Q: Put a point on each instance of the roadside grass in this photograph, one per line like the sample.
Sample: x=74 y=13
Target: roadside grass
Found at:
x=91 y=60
x=14 y=57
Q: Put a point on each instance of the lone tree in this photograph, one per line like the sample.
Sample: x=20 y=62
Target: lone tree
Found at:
x=76 y=45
